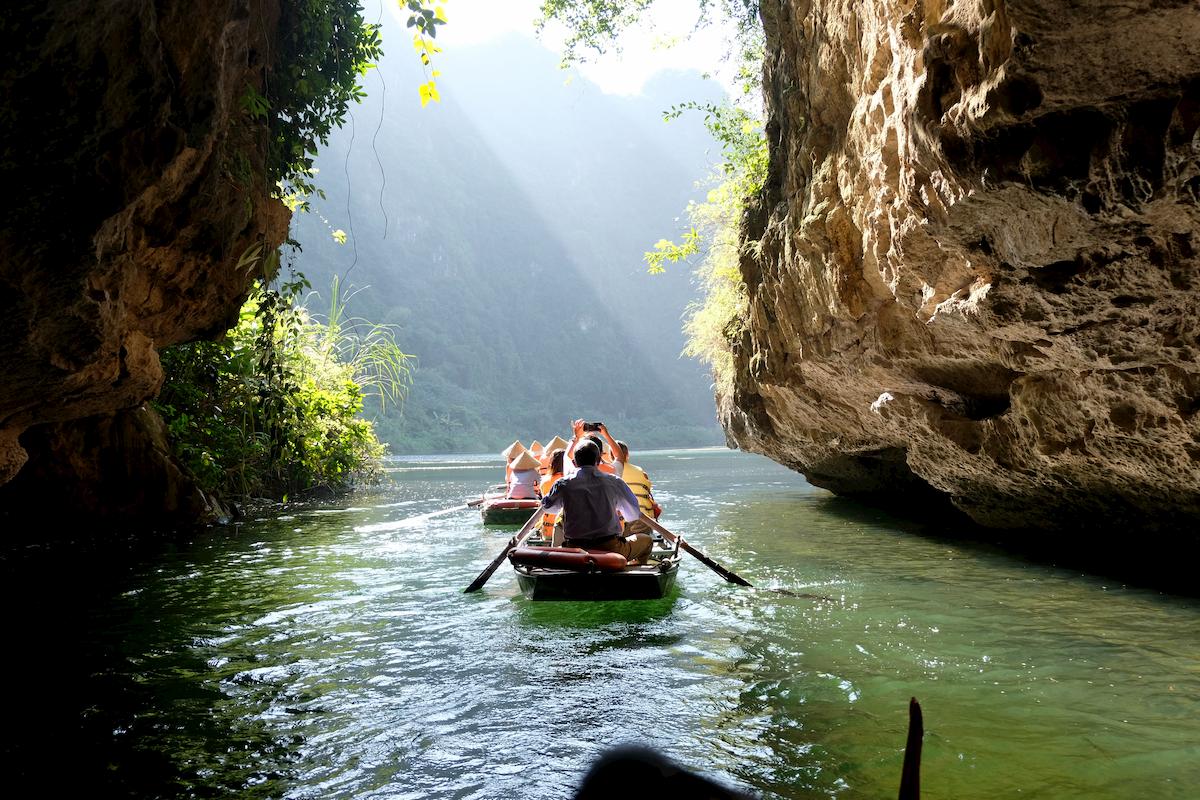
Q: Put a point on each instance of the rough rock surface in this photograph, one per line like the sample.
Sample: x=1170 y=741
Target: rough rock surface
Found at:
x=976 y=274
x=134 y=199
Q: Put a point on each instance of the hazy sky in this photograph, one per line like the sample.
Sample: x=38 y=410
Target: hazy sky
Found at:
x=643 y=51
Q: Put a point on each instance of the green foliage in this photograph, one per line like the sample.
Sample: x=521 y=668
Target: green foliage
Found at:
x=743 y=143
x=597 y=24
x=594 y=24
x=274 y=408
x=380 y=366
x=425 y=17
x=712 y=325
x=666 y=251
x=325 y=48
x=740 y=176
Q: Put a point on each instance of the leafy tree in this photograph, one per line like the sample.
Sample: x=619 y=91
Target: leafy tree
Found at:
x=273 y=409
x=325 y=47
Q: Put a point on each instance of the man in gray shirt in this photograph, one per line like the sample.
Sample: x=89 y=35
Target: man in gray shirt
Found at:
x=589 y=501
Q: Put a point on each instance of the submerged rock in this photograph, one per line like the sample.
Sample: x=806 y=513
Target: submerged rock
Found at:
x=975 y=283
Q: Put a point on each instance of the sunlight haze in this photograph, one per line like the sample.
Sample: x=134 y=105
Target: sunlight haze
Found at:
x=668 y=41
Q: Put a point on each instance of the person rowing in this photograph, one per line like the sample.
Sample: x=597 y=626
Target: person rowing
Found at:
x=592 y=504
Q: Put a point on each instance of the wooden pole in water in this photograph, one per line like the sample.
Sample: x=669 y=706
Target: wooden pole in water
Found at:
x=910 y=773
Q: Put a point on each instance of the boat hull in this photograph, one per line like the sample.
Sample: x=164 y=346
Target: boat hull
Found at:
x=507 y=512
x=637 y=583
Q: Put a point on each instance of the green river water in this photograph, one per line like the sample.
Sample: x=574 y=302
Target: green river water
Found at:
x=330 y=653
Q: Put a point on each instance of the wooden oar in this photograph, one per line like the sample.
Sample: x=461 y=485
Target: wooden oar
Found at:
x=480 y=501
x=727 y=574
x=522 y=534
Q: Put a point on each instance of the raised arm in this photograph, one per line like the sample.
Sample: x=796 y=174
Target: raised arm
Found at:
x=577 y=430
x=612 y=443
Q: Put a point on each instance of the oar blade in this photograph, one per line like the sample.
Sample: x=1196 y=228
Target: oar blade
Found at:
x=721 y=570
x=526 y=529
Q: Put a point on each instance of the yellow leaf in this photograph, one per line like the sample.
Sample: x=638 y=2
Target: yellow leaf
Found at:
x=440 y=13
x=339 y=236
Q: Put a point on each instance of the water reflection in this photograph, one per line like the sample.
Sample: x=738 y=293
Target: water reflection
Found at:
x=331 y=653
x=590 y=616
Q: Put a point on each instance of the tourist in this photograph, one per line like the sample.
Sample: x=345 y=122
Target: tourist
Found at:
x=511 y=453
x=639 y=483
x=610 y=465
x=593 y=504
x=557 y=443
x=555 y=472
x=523 y=477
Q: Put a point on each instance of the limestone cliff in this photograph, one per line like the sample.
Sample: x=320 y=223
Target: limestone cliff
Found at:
x=134 y=202
x=975 y=273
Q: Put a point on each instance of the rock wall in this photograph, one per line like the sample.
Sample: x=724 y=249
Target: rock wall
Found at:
x=134 y=200
x=974 y=274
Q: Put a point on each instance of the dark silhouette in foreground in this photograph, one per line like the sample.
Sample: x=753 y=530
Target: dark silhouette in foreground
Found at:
x=633 y=772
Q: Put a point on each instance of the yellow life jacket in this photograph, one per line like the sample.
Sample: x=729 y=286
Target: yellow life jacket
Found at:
x=640 y=483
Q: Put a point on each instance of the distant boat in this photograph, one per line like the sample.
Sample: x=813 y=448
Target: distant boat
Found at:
x=570 y=573
x=496 y=509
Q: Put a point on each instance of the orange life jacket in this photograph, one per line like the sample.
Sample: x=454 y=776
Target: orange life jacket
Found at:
x=548 y=520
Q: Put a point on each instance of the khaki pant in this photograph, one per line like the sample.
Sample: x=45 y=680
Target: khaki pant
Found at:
x=635 y=548
x=639 y=525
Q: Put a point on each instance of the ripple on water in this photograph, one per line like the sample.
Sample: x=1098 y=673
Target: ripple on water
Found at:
x=344 y=661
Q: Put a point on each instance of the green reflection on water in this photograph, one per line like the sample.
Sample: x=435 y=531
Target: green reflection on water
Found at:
x=331 y=653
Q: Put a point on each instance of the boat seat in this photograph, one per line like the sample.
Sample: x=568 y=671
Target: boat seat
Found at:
x=575 y=559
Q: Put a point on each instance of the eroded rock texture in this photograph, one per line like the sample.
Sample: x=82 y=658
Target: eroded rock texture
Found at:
x=979 y=248
x=133 y=194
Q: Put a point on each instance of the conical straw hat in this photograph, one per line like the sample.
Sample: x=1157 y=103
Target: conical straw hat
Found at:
x=513 y=449
x=525 y=461
x=536 y=448
x=556 y=443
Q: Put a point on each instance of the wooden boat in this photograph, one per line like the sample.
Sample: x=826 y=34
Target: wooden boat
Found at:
x=496 y=509
x=561 y=573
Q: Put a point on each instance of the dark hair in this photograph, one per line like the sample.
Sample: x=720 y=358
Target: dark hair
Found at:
x=598 y=442
x=624 y=448
x=587 y=454
x=556 y=460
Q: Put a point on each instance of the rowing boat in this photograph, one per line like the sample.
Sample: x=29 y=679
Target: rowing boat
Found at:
x=561 y=573
x=496 y=509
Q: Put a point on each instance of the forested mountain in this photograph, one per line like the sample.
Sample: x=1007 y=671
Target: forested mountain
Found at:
x=502 y=230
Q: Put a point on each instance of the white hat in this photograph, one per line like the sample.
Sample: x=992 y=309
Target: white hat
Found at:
x=556 y=443
x=525 y=461
x=513 y=450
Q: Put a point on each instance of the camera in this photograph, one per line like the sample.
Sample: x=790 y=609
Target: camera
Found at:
x=592 y=426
